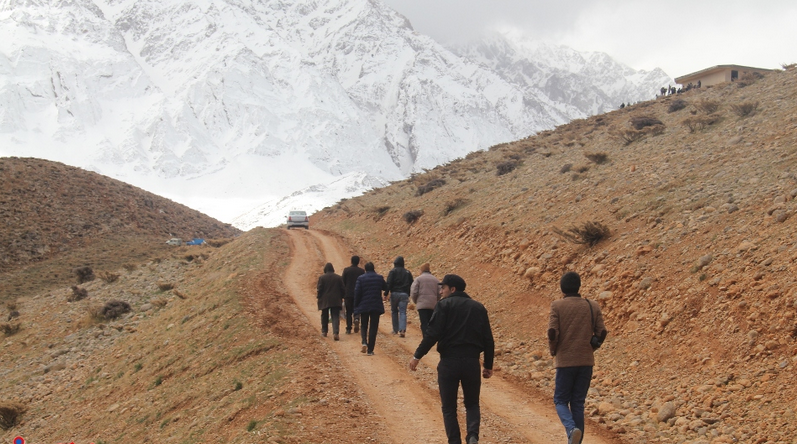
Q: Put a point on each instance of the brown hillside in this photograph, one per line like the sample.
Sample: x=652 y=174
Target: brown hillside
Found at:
x=53 y=212
x=697 y=279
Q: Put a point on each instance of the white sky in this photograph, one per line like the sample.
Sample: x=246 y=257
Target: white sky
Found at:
x=679 y=36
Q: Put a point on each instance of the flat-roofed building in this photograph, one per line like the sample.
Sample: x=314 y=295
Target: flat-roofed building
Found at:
x=718 y=74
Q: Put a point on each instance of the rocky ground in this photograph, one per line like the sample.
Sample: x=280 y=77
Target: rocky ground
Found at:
x=696 y=278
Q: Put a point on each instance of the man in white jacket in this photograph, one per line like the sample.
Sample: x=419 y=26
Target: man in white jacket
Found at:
x=425 y=293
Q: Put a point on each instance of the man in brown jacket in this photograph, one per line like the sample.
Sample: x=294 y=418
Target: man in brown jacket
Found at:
x=572 y=324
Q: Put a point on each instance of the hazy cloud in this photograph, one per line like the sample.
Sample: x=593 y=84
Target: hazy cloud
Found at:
x=679 y=36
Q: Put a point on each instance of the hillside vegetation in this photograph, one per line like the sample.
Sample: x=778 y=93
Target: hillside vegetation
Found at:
x=683 y=210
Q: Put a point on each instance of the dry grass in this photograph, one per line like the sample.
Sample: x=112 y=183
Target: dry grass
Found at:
x=708 y=106
x=589 y=233
x=598 y=158
x=10 y=328
x=506 y=167
x=677 y=105
x=108 y=277
x=430 y=186
x=165 y=286
x=77 y=294
x=453 y=205
x=640 y=122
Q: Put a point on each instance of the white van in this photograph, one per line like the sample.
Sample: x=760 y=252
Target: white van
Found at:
x=298 y=219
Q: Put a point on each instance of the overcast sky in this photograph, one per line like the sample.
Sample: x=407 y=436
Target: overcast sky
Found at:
x=679 y=36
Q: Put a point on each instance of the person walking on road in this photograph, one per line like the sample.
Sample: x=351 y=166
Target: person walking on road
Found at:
x=330 y=292
x=368 y=304
x=399 y=281
x=461 y=329
x=572 y=324
x=350 y=275
x=425 y=293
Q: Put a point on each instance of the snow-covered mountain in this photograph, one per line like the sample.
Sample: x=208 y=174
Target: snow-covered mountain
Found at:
x=246 y=108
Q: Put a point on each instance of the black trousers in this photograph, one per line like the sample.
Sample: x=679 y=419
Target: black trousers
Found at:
x=450 y=373
x=425 y=314
x=349 y=302
x=369 y=325
x=334 y=313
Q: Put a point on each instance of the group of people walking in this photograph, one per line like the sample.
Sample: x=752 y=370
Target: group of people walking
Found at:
x=460 y=327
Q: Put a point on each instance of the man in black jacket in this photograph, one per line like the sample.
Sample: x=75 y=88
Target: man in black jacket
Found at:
x=461 y=328
x=399 y=281
x=350 y=275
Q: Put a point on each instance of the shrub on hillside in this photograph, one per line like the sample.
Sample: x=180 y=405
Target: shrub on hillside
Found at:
x=114 y=309
x=9 y=328
x=506 y=167
x=77 y=294
x=381 y=211
x=598 y=158
x=748 y=78
x=699 y=123
x=10 y=412
x=108 y=277
x=708 y=106
x=412 y=216
x=165 y=286
x=744 y=109
x=589 y=233
x=565 y=168
x=453 y=205
x=84 y=274
x=429 y=186
x=640 y=122
x=216 y=243
x=677 y=105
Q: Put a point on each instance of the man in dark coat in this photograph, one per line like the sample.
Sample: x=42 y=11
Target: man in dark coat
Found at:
x=461 y=328
x=399 y=281
x=350 y=275
x=368 y=304
x=330 y=293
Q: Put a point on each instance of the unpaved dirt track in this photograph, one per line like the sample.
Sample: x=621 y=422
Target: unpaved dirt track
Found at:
x=407 y=402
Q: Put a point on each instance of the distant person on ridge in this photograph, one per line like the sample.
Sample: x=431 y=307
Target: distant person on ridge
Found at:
x=350 y=275
x=399 y=281
x=425 y=293
x=572 y=324
x=461 y=329
x=368 y=304
x=330 y=293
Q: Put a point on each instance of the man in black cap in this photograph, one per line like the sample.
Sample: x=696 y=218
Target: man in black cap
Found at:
x=572 y=324
x=461 y=328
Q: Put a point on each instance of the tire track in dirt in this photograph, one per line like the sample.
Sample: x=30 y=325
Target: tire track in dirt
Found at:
x=508 y=414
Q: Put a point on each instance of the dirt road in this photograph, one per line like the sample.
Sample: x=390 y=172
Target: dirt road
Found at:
x=408 y=402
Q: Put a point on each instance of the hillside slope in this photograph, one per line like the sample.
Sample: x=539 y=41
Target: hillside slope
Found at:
x=54 y=212
x=696 y=279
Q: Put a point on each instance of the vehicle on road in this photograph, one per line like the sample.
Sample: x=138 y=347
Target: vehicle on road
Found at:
x=174 y=241
x=298 y=218
x=195 y=241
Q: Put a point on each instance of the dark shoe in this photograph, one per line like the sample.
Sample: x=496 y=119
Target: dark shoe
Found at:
x=401 y=334
x=575 y=436
x=473 y=440
x=370 y=353
x=356 y=325
x=324 y=334
x=336 y=337
x=364 y=349
x=348 y=332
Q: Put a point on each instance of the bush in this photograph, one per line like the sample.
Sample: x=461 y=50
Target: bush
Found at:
x=10 y=412
x=677 y=105
x=708 y=106
x=108 y=277
x=9 y=328
x=748 y=78
x=158 y=302
x=453 y=205
x=130 y=267
x=599 y=158
x=506 y=167
x=114 y=309
x=77 y=294
x=698 y=123
x=216 y=243
x=588 y=233
x=412 y=216
x=431 y=185
x=95 y=312
x=84 y=274
x=644 y=121
x=745 y=109
x=565 y=168
x=380 y=211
